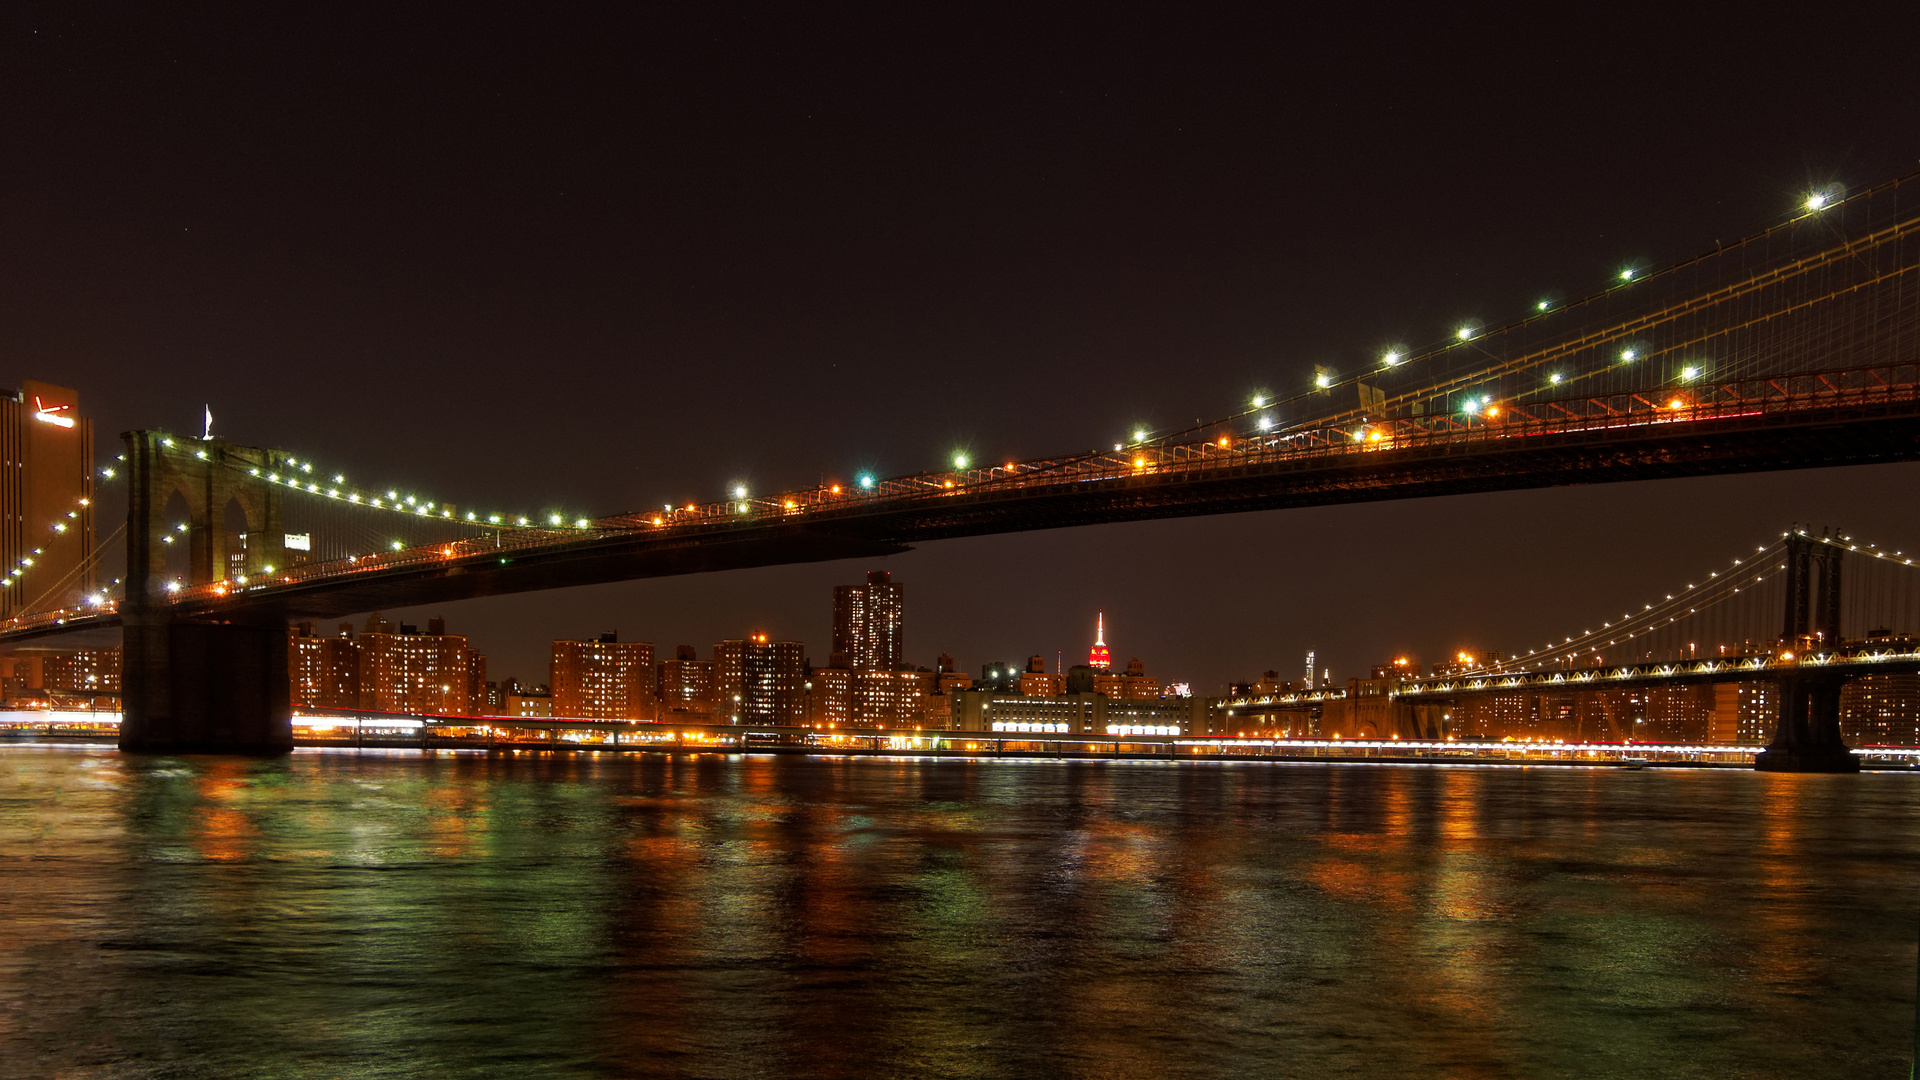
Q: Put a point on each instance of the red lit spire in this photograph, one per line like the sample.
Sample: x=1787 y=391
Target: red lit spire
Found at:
x=1100 y=658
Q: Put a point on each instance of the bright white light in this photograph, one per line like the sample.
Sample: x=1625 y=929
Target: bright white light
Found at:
x=1465 y=333
x=1259 y=400
x=1628 y=355
x=554 y=520
x=1266 y=423
x=1323 y=381
x=1627 y=274
x=1543 y=305
x=493 y=519
x=1393 y=357
x=1555 y=380
x=173 y=586
x=1689 y=372
x=1472 y=406
x=396 y=545
x=580 y=524
x=339 y=478
x=959 y=461
x=867 y=481
x=1140 y=436
x=1816 y=201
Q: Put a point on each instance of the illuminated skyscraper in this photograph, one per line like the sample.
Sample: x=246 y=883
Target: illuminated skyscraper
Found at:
x=1100 y=658
x=46 y=500
x=867 y=624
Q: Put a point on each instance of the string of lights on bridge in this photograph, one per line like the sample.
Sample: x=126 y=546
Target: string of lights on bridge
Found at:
x=1262 y=410
x=1263 y=406
x=299 y=476
x=1657 y=613
x=16 y=574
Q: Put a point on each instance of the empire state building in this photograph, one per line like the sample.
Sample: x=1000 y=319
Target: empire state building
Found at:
x=1099 y=658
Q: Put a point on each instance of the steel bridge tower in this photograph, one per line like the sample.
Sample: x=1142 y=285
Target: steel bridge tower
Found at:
x=1807 y=736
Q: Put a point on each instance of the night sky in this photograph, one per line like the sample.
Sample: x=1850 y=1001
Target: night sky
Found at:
x=524 y=256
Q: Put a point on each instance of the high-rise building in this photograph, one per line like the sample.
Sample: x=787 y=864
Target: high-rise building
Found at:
x=686 y=687
x=1100 y=658
x=405 y=671
x=867 y=624
x=603 y=679
x=323 y=672
x=760 y=681
x=46 y=500
x=304 y=664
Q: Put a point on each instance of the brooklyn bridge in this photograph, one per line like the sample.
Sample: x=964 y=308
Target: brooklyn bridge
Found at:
x=1793 y=348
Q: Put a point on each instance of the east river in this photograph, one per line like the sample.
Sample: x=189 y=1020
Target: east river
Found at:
x=392 y=914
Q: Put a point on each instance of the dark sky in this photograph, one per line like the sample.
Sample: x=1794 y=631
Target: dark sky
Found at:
x=527 y=255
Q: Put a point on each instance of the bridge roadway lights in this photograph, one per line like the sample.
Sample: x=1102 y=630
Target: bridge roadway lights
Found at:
x=1807 y=738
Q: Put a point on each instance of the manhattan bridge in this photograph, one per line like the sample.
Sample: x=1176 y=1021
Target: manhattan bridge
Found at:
x=1796 y=347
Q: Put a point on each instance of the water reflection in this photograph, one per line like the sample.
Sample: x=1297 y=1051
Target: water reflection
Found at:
x=424 y=916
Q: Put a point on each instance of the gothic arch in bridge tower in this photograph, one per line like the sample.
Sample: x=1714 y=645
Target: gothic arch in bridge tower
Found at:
x=208 y=476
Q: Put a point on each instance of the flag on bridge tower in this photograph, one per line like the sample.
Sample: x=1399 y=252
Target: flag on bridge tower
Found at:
x=209 y=429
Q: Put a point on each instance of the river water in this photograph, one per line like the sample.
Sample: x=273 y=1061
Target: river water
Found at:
x=380 y=914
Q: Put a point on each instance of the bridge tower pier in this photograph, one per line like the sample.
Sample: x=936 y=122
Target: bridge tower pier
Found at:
x=1807 y=736
x=200 y=686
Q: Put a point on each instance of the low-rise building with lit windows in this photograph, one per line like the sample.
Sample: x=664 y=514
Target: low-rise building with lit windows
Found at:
x=1075 y=714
